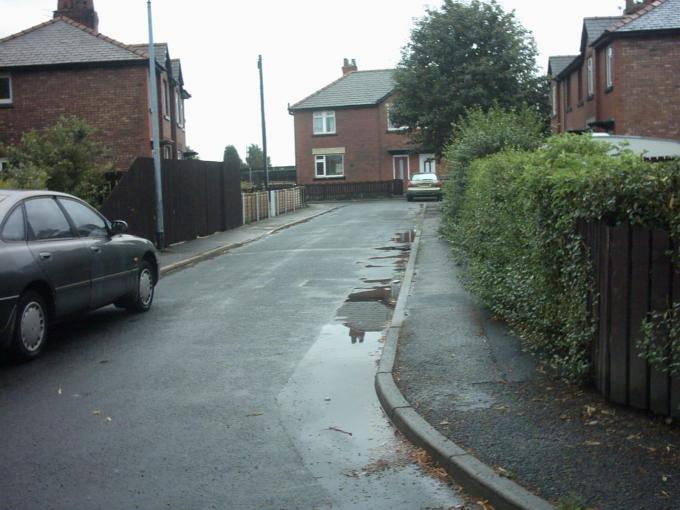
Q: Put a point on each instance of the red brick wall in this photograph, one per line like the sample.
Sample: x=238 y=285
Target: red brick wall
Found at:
x=645 y=97
x=111 y=99
x=363 y=133
x=649 y=88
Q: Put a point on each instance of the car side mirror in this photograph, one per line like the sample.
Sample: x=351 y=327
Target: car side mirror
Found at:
x=119 y=227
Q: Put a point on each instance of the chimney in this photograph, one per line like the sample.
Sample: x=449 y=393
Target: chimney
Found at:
x=80 y=11
x=348 y=68
x=632 y=6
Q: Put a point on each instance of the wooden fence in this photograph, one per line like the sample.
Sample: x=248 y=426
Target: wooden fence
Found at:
x=634 y=276
x=277 y=174
x=348 y=190
x=199 y=199
x=256 y=205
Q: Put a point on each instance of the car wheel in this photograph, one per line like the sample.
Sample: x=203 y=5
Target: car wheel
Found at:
x=30 y=327
x=146 y=286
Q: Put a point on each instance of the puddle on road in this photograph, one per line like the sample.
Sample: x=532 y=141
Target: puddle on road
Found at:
x=330 y=409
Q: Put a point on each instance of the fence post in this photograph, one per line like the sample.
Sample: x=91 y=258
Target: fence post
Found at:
x=257 y=206
x=243 y=207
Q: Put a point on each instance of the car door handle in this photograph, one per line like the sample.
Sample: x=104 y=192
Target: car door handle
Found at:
x=45 y=255
x=95 y=249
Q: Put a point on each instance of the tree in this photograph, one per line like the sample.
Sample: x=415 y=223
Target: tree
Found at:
x=255 y=158
x=463 y=55
x=63 y=157
x=232 y=158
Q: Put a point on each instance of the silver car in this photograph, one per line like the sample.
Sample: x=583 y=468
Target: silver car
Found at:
x=58 y=258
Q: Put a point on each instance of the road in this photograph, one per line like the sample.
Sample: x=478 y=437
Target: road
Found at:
x=248 y=385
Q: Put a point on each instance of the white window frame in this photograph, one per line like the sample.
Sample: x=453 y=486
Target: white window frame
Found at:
x=324 y=116
x=408 y=166
x=609 y=59
x=166 y=99
x=424 y=160
x=390 y=124
x=321 y=158
x=9 y=79
x=591 y=77
x=178 y=107
x=4 y=164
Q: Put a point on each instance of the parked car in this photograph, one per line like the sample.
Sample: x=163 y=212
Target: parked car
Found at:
x=424 y=185
x=58 y=258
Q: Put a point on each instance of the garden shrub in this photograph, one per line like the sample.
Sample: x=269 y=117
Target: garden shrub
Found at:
x=516 y=232
x=481 y=133
x=63 y=157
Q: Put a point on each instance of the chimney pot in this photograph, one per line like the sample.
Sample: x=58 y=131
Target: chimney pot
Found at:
x=348 y=68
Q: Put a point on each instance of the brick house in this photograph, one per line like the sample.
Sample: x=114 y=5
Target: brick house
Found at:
x=624 y=80
x=343 y=132
x=66 y=67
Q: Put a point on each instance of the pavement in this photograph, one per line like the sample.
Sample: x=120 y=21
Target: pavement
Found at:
x=180 y=255
x=458 y=383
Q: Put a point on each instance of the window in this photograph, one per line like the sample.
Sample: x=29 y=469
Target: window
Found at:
x=580 y=85
x=88 y=223
x=4 y=164
x=567 y=94
x=324 y=122
x=46 y=220
x=5 y=89
x=166 y=99
x=610 y=67
x=391 y=126
x=167 y=152
x=14 y=229
x=330 y=165
x=591 y=82
x=179 y=107
x=554 y=98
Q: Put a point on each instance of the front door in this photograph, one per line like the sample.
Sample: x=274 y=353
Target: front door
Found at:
x=401 y=167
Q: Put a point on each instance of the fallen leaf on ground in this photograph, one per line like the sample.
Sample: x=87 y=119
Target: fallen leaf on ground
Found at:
x=251 y=415
x=96 y=412
x=59 y=391
x=336 y=429
x=592 y=443
x=108 y=419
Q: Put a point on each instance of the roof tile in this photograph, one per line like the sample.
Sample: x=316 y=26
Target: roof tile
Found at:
x=62 y=41
x=360 y=88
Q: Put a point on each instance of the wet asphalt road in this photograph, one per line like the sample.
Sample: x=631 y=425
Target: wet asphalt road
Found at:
x=240 y=389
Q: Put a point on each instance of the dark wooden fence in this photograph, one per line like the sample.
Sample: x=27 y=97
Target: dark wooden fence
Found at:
x=199 y=198
x=348 y=190
x=634 y=276
x=277 y=174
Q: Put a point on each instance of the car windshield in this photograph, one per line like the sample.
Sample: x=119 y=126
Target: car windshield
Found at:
x=424 y=177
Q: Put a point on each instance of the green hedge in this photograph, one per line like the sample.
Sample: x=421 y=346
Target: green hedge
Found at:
x=515 y=227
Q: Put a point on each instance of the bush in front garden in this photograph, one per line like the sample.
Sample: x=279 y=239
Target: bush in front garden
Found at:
x=516 y=232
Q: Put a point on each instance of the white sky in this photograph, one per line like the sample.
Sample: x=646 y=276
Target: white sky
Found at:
x=302 y=43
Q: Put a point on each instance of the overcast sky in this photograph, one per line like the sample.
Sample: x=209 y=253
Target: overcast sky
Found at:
x=302 y=43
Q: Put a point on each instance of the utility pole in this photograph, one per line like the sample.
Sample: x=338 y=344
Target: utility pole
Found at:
x=153 y=100
x=264 y=125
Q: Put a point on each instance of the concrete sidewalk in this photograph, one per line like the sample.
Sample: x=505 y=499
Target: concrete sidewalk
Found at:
x=498 y=423
x=183 y=254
